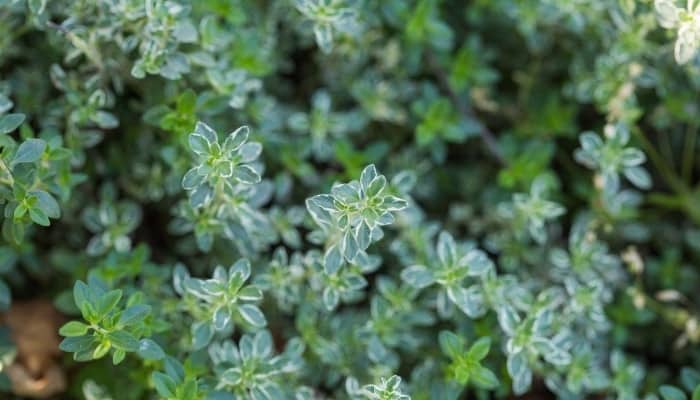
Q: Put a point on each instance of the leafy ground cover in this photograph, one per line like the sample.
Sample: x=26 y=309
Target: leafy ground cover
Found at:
x=337 y=199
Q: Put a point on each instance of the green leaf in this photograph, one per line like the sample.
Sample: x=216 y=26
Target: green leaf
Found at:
x=133 y=314
x=102 y=349
x=376 y=186
x=479 y=349
x=205 y=131
x=107 y=302
x=81 y=295
x=165 y=385
x=669 y=392
x=29 y=151
x=198 y=144
x=118 y=356
x=349 y=246
x=249 y=152
x=451 y=344
x=47 y=203
x=221 y=318
x=246 y=174
x=73 y=328
x=236 y=139
x=123 y=340
x=37 y=6
x=250 y=293
x=75 y=344
x=417 y=276
x=324 y=36
x=39 y=216
x=5 y=103
x=5 y=296
x=252 y=315
x=10 y=122
x=332 y=260
x=150 y=350
x=483 y=377
x=201 y=335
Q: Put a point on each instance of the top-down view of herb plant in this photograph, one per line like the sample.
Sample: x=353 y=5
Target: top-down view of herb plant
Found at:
x=350 y=199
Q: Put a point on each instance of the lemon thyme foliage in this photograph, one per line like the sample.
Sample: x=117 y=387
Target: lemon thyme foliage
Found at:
x=221 y=302
x=612 y=157
x=684 y=20
x=329 y=19
x=453 y=266
x=386 y=389
x=338 y=199
x=351 y=217
x=221 y=187
x=253 y=369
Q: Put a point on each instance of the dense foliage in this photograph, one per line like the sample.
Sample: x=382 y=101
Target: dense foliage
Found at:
x=354 y=199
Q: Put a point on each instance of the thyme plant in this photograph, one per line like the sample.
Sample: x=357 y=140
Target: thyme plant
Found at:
x=338 y=199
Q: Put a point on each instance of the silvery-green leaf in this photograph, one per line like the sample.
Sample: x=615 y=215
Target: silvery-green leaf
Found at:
x=205 y=131
x=684 y=49
x=236 y=138
x=192 y=179
x=345 y=193
x=667 y=13
x=632 y=157
x=349 y=246
x=363 y=235
x=332 y=260
x=250 y=151
x=262 y=344
x=221 y=318
x=376 y=186
x=367 y=176
x=330 y=298
x=252 y=314
x=508 y=318
x=417 y=276
x=245 y=174
x=201 y=335
x=240 y=268
x=446 y=249
x=250 y=293
x=477 y=261
x=393 y=203
x=638 y=176
x=324 y=36
x=201 y=195
x=520 y=372
x=467 y=300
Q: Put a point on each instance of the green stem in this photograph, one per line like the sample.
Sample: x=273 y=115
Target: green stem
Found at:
x=664 y=169
x=689 y=154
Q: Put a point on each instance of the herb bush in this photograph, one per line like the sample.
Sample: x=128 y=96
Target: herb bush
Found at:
x=336 y=199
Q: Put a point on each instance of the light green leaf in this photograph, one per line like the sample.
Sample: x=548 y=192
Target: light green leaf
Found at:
x=29 y=151
x=10 y=122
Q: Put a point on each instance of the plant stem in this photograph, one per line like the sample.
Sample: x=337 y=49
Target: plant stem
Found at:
x=689 y=154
